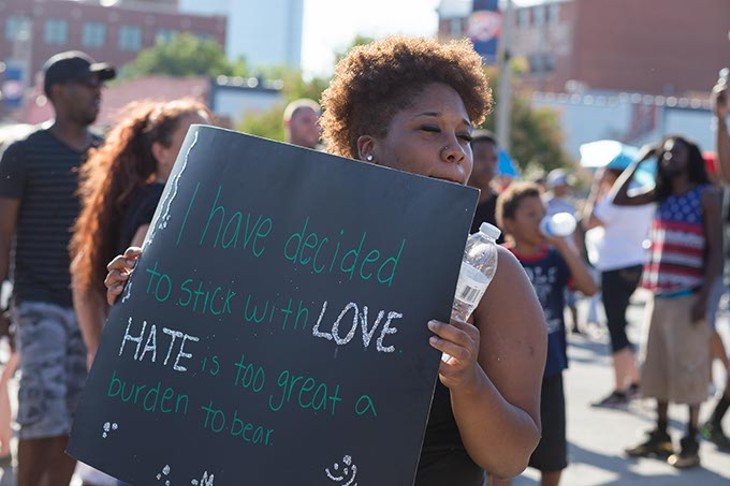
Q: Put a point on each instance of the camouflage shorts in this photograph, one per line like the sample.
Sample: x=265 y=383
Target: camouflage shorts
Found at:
x=52 y=369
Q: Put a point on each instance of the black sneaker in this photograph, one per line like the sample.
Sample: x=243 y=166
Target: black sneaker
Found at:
x=714 y=433
x=656 y=444
x=616 y=400
x=634 y=392
x=688 y=456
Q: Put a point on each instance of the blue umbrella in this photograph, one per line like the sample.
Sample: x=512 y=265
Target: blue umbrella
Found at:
x=612 y=154
x=506 y=165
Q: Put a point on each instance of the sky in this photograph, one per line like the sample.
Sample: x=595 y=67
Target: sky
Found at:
x=331 y=25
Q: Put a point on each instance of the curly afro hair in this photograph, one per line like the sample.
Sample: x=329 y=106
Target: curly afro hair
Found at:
x=375 y=81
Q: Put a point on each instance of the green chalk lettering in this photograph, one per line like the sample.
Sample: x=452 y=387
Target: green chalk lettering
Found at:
x=355 y=254
x=187 y=213
x=297 y=239
x=385 y=278
x=214 y=210
x=372 y=256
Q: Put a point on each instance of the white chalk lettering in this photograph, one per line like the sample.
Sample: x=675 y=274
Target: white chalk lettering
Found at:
x=362 y=320
x=150 y=348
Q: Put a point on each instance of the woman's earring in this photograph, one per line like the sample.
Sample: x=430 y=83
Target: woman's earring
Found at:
x=369 y=157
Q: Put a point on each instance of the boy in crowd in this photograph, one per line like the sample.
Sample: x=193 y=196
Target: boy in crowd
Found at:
x=551 y=264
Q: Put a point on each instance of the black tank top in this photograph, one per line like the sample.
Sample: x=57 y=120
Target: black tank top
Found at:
x=444 y=461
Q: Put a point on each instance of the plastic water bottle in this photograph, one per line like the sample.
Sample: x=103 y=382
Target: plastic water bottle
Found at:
x=477 y=270
x=723 y=76
x=558 y=224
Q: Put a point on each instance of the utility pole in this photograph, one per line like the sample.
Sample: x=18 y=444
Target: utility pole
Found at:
x=504 y=105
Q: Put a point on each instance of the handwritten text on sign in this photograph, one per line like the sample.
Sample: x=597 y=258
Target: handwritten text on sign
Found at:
x=277 y=317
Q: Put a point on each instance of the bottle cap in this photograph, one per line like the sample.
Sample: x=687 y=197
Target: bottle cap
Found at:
x=724 y=75
x=558 y=224
x=490 y=230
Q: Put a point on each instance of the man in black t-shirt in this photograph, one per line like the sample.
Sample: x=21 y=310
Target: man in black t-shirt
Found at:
x=486 y=155
x=712 y=429
x=38 y=206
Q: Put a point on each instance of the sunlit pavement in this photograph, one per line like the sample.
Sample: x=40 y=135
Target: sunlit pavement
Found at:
x=598 y=437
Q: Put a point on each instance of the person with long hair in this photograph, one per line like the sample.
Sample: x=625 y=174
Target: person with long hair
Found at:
x=120 y=185
x=410 y=104
x=684 y=261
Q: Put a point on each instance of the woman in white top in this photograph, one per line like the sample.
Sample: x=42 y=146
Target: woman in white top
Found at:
x=614 y=239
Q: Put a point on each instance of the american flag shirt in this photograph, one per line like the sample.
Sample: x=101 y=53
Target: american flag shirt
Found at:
x=678 y=248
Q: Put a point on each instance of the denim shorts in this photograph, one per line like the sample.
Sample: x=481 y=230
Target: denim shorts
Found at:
x=52 y=369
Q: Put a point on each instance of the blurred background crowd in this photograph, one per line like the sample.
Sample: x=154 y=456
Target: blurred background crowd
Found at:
x=579 y=87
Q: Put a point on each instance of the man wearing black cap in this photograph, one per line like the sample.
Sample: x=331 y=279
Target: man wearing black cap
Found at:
x=38 y=206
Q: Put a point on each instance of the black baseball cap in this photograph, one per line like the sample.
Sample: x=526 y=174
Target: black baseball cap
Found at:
x=70 y=66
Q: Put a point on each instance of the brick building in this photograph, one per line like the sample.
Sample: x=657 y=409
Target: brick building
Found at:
x=660 y=47
x=109 y=30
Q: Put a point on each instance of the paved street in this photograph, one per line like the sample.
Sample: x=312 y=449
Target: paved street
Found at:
x=598 y=436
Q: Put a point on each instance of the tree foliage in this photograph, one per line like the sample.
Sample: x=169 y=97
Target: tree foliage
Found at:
x=536 y=139
x=270 y=124
x=185 y=55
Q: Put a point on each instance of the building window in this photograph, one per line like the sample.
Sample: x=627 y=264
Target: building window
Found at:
x=93 y=34
x=55 y=31
x=541 y=62
x=523 y=18
x=455 y=29
x=553 y=14
x=130 y=38
x=539 y=15
x=14 y=25
x=165 y=35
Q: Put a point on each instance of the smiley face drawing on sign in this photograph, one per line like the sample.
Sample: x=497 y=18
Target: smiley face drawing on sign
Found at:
x=345 y=477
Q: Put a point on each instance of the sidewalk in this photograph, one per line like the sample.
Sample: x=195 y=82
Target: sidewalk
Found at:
x=598 y=437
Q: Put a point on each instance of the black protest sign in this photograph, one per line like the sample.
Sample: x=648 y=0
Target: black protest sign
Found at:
x=275 y=328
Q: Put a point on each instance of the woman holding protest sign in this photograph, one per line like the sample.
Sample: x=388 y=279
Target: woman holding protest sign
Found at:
x=121 y=184
x=410 y=104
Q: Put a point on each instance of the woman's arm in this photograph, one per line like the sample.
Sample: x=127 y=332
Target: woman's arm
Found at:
x=589 y=220
x=91 y=313
x=711 y=211
x=620 y=191
x=140 y=235
x=720 y=108
x=495 y=371
x=582 y=279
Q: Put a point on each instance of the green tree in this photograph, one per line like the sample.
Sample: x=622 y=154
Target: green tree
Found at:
x=185 y=55
x=536 y=139
x=267 y=124
x=270 y=123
